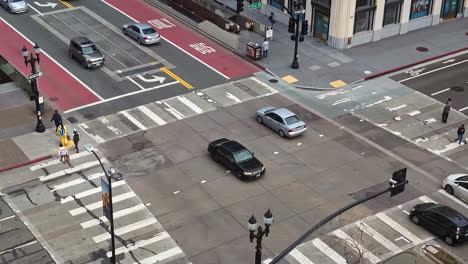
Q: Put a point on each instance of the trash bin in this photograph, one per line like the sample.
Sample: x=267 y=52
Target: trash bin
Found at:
x=254 y=51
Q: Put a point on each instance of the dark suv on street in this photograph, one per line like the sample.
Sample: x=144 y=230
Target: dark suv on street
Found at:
x=442 y=221
x=85 y=51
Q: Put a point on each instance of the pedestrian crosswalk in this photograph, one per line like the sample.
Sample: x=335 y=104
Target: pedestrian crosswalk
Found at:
x=372 y=239
x=159 y=113
x=72 y=222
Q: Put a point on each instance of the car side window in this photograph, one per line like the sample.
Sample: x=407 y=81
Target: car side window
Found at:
x=463 y=185
x=463 y=178
x=136 y=29
x=226 y=154
x=76 y=46
x=271 y=115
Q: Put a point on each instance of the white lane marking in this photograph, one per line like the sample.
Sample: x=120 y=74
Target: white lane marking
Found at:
x=340 y=101
x=161 y=256
x=35 y=10
x=98 y=204
x=399 y=228
x=413 y=113
x=438 y=69
x=69 y=170
x=18 y=247
x=154 y=79
x=57 y=161
x=139 y=244
x=398 y=107
x=271 y=89
x=170 y=42
x=118 y=214
x=152 y=115
x=6 y=218
x=125 y=229
x=328 y=251
x=76 y=181
x=402 y=238
x=119 y=96
x=426 y=199
x=53 y=5
x=191 y=105
x=133 y=120
x=173 y=111
x=463 y=109
x=297 y=255
x=378 y=237
x=52 y=59
x=453 y=198
x=356 y=246
x=89 y=192
x=233 y=97
x=386 y=98
x=441 y=91
x=137 y=84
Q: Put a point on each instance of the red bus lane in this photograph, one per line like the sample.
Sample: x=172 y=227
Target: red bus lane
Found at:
x=215 y=56
x=55 y=82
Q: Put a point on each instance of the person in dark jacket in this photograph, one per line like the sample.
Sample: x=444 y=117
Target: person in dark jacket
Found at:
x=76 y=138
x=446 y=111
x=460 y=133
x=57 y=119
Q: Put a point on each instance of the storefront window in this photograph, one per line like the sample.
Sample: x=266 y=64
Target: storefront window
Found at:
x=364 y=15
x=420 y=8
x=362 y=3
x=392 y=12
x=277 y=3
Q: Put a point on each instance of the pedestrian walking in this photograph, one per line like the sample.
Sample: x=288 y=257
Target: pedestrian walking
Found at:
x=57 y=119
x=446 y=111
x=272 y=19
x=65 y=138
x=76 y=138
x=265 y=47
x=64 y=157
x=460 y=133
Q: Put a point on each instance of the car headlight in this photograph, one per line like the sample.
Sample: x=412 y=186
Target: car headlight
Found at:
x=248 y=173
x=263 y=168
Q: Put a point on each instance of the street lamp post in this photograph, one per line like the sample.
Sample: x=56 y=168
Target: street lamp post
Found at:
x=32 y=61
x=108 y=174
x=295 y=62
x=252 y=225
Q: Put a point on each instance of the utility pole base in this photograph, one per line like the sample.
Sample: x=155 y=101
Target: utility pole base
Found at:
x=40 y=128
x=295 y=64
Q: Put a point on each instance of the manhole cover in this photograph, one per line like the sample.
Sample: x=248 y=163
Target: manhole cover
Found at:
x=72 y=119
x=273 y=80
x=88 y=116
x=422 y=49
x=457 y=88
x=53 y=99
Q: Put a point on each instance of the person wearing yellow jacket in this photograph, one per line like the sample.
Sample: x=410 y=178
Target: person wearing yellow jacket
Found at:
x=65 y=139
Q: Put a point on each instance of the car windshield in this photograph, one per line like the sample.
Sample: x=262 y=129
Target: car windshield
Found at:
x=89 y=50
x=14 y=1
x=242 y=156
x=148 y=31
x=292 y=120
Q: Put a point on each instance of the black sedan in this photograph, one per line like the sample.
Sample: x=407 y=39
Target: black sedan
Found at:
x=442 y=221
x=236 y=158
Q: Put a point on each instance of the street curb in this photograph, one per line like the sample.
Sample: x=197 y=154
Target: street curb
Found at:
x=413 y=64
x=26 y=163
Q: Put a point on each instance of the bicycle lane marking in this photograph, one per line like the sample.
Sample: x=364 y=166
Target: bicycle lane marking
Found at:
x=207 y=52
x=56 y=81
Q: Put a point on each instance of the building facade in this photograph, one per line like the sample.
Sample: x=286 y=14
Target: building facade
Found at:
x=346 y=23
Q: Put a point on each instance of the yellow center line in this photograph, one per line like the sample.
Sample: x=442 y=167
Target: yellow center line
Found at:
x=66 y=4
x=177 y=78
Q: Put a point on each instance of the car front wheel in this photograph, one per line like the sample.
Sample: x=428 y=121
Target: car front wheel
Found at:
x=415 y=219
x=281 y=133
x=449 y=189
x=139 y=41
x=449 y=240
x=259 y=119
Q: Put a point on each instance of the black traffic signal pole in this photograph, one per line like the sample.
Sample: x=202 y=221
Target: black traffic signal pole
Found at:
x=295 y=62
x=329 y=218
x=40 y=128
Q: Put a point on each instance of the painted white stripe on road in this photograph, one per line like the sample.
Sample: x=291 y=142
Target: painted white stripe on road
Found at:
x=379 y=238
x=233 y=97
x=139 y=244
x=397 y=107
x=98 y=204
x=453 y=198
x=271 y=89
x=18 y=247
x=173 y=111
x=118 y=214
x=463 y=109
x=438 y=69
x=125 y=229
x=70 y=170
x=426 y=199
x=441 y=91
x=77 y=181
x=353 y=243
x=89 y=192
x=297 y=255
x=6 y=218
x=152 y=115
x=399 y=228
x=328 y=251
x=191 y=105
x=161 y=256
x=133 y=120
x=135 y=83
x=57 y=161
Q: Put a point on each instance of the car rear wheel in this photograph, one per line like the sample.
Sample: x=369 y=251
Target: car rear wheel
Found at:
x=259 y=119
x=83 y=63
x=124 y=31
x=448 y=240
x=415 y=219
x=281 y=133
x=214 y=157
x=449 y=189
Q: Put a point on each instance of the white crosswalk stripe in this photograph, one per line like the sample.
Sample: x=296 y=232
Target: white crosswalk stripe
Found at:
x=98 y=204
x=64 y=172
x=57 y=161
x=152 y=115
x=301 y=258
x=125 y=229
x=117 y=215
x=379 y=238
x=329 y=251
x=139 y=244
x=133 y=120
x=356 y=246
x=396 y=226
x=161 y=256
x=76 y=182
x=89 y=192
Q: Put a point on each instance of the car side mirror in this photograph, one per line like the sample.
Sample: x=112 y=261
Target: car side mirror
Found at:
x=253 y=153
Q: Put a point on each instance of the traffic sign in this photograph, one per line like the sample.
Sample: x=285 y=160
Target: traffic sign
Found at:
x=35 y=75
x=256 y=5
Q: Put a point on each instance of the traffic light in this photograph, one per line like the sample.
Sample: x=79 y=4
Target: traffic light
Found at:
x=398 y=178
x=305 y=27
x=291 y=25
x=240 y=6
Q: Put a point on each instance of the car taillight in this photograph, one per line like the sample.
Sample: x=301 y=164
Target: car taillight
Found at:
x=457 y=234
x=146 y=38
x=290 y=130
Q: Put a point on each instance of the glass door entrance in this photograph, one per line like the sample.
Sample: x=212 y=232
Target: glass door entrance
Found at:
x=321 y=26
x=450 y=9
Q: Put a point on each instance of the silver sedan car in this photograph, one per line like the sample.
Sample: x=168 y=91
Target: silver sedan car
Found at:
x=457 y=184
x=143 y=33
x=15 y=6
x=281 y=120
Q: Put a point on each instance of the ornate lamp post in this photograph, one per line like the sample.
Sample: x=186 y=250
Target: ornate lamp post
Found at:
x=35 y=92
x=252 y=225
